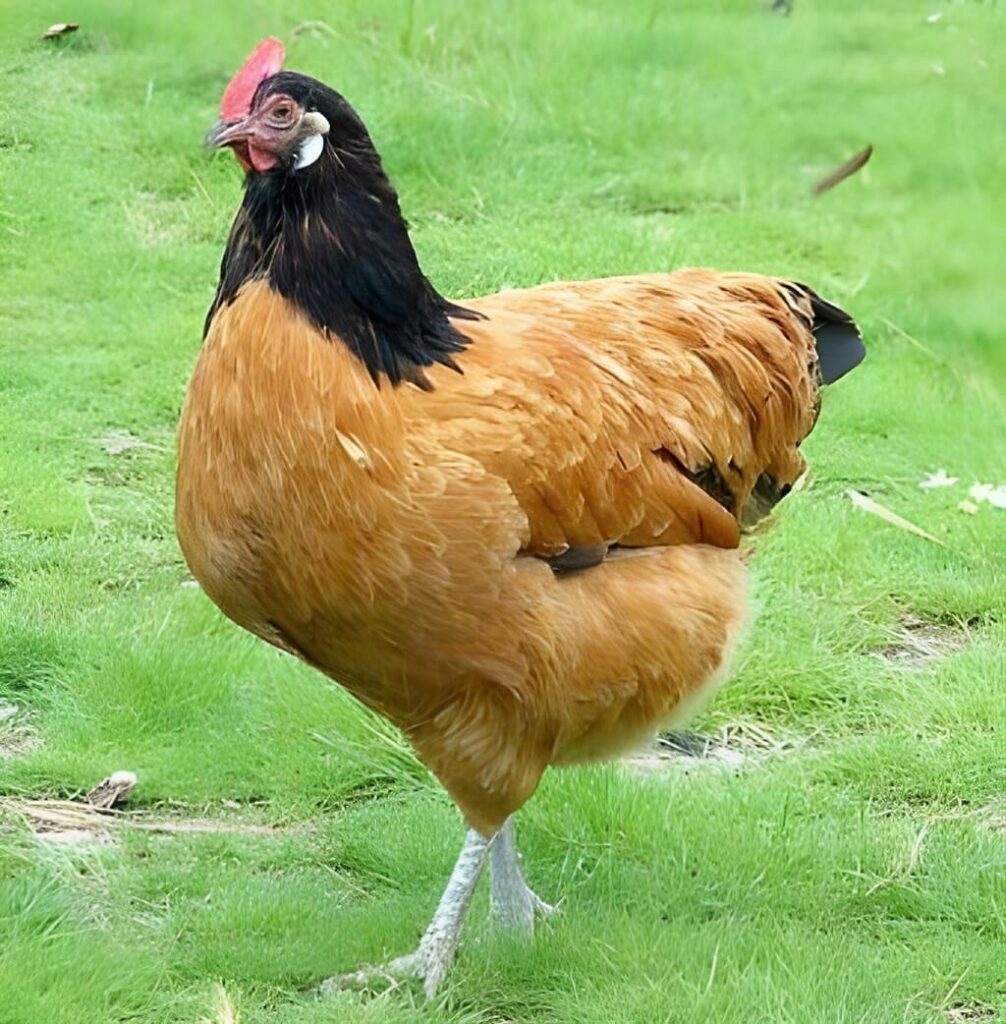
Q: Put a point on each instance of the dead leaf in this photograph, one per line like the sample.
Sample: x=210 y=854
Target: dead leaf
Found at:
x=60 y=29
x=111 y=791
x=846 y=170
x=867 y=504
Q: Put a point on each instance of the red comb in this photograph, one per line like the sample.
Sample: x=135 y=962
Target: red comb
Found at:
x=266 y=60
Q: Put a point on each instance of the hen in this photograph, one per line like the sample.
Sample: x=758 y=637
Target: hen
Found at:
x=510 y=526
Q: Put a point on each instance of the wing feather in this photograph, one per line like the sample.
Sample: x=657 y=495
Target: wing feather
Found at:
x=631 y=411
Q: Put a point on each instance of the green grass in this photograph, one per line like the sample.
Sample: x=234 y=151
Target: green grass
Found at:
x=860 y=878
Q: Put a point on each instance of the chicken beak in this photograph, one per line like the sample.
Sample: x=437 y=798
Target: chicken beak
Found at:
x=225 y=133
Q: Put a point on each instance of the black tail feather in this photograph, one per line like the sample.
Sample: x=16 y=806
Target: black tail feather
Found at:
x=840 y=346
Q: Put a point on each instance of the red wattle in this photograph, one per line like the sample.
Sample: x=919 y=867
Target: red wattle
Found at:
x=261 y=159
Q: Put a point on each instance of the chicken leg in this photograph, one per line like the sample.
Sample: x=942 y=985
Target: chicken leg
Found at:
x=513 y=903
x=435 y=953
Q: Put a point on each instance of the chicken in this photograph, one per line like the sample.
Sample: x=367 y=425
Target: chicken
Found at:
x=510 y=526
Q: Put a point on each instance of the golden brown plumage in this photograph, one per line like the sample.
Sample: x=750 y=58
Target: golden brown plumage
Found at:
x=385 y=534
x=511 y=527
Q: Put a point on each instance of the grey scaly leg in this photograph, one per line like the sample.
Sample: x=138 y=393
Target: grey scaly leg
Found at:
x=513 y=903
x=433 y=957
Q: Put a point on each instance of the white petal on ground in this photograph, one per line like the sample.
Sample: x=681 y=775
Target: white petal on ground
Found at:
x=990 y=493
x=938 y=479
x=997 y=496
x=968 y=506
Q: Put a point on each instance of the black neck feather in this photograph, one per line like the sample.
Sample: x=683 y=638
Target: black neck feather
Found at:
x=331 y=239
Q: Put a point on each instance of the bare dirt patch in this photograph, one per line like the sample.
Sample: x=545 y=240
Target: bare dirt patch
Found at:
x=992 y=818
x=733 y=747
x=915 y=643
x=16 y=734
x=71 y=822
x=974 y=1012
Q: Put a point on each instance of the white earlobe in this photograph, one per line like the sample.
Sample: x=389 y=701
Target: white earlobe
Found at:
x=309 y=151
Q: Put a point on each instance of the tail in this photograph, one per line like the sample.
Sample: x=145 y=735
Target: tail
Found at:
x=840 y=349
x=840 y=346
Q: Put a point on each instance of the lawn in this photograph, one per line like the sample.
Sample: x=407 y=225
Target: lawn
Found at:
x=850 y=865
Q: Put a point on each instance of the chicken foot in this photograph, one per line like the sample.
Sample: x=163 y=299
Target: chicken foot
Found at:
x=435 y=953
x=513 y=904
